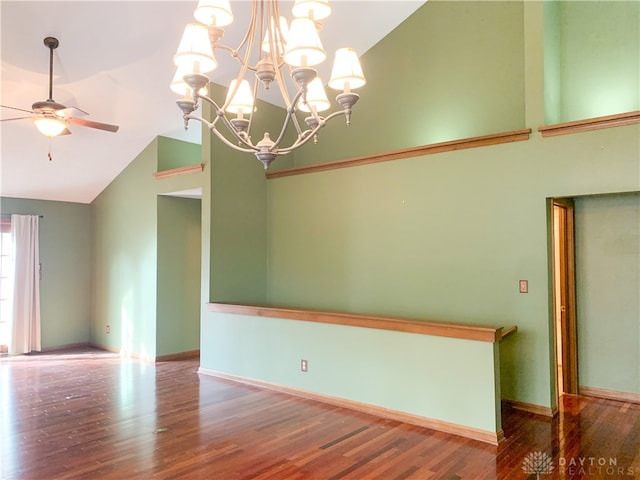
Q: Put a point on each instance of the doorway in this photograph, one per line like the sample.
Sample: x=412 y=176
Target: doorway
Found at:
x=564 y=298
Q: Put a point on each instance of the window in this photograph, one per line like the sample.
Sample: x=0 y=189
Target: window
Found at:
x=6 y=283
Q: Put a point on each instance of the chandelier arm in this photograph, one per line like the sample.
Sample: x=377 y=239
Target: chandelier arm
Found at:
x=308 y=134
x=314 y=113
x=210 y=100
x=334 y=114
x=232 y=131
x=290 y=104
x=255 y=99
x=219 y=115
x=236 y=55
x=216 y=108
x=290 y=116
x=302 y=139
x=285 y=96
x=246 y=37
x=227 y=142
x=282 y=86
x=244 y=61
x=212 y=128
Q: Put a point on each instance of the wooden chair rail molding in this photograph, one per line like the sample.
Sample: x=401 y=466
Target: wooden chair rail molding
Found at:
x=423 y=327
x=174 y=172
x=595 y=123
x=494 y=139
x=509 y=331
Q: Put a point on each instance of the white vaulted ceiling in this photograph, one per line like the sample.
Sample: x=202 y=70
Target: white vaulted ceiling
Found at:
x=114 y=61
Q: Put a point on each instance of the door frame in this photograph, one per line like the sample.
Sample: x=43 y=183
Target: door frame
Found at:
x=565 y=336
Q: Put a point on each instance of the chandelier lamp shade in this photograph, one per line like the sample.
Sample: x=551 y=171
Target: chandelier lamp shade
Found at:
x=271 y=52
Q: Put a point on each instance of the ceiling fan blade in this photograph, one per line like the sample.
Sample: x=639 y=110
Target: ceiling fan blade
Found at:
x=14 y=118
x=91 y=124
x=66 y=131
x=70 y=112
x=16 y=108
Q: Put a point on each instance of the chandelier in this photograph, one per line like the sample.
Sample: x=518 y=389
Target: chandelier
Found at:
x=270 y=49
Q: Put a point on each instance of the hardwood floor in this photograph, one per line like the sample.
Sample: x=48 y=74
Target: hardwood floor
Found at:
x=90 y=415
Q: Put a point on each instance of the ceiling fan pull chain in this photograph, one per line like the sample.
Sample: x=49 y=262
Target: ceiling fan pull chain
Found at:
x=49 y=152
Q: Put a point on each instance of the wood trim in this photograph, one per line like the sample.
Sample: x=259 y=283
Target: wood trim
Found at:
x=508 y=332
x=67 y=346
x=531 y=408
x=178 y=356
x=610 y=394
x=595 y=123
x=160 y=358
x=123 y=353
x=422 y=327
x=430 y=149
x=451 y=428
x=106 y=348
x=175 y=172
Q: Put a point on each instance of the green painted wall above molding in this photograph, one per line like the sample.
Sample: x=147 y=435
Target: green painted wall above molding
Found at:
x=592 y=49
x=452 y=70
x=174 y=153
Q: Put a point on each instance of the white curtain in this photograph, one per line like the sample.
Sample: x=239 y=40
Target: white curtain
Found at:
x=25 y=325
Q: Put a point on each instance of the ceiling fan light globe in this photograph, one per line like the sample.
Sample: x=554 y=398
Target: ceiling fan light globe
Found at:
x=49 y=125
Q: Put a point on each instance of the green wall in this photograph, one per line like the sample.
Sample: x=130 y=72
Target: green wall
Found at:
x=65 y=254
x=238 y=213
x=175 y=154
x=442 y=237
x=179 y=258
x=394 y=370
x=125 y=260
x=595 y=46
x=458 y=73
x=607 y=230
x=126 y=256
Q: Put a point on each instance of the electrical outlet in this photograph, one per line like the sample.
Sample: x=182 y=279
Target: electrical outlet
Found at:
x=108 y=328
x=304 y=365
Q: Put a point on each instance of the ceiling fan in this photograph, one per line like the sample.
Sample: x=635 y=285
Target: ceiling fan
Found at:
x=52 y=118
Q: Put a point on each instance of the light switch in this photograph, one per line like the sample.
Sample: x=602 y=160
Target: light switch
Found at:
x=524 y=286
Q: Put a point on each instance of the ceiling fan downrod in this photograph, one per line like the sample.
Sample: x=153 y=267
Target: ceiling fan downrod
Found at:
x=51 y=43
